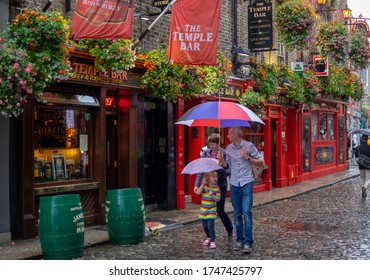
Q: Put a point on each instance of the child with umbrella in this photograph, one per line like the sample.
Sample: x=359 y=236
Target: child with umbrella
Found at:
x=210 y=196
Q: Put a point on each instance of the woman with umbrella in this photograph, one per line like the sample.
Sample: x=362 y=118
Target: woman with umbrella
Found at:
x=211 y=152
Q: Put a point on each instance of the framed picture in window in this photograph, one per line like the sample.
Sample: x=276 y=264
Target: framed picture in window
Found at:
x=59 y=167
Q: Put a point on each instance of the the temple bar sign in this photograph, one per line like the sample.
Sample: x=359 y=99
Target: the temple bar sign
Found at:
x=161 y=3
x=260 y=34
x=85 y=70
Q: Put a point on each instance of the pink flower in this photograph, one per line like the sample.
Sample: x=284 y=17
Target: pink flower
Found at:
x=18 y=104
x=16 y=66
x=1 y=102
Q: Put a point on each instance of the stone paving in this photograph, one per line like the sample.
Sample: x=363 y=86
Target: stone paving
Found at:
x=31 y=249
x=329 y=223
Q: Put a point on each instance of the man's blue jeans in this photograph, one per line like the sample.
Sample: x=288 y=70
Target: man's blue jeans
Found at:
x=242 y=201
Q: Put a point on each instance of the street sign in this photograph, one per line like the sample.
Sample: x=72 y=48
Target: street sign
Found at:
x=161 y=3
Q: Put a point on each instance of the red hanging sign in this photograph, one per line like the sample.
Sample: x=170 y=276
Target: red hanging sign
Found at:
x=194 y=32
x=102 y=19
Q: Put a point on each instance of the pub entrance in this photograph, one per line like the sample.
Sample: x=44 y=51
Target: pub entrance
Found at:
x=112 y=152
x=156 y=152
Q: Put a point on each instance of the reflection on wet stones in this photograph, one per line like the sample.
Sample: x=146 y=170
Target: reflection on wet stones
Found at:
x=329 y=223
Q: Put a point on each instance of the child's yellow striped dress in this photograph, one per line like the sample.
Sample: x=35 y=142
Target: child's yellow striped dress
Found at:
x=208 y=208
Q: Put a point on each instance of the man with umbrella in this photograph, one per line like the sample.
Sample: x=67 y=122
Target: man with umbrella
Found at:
x=240 y=155
x=211 y=152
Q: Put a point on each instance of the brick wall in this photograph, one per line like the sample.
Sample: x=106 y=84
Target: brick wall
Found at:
x=159 y=34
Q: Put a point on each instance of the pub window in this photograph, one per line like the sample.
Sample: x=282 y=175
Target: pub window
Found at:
x=62 y=140
x=255 y=135
x=280 y=56
x=322 y=126
x=315 y=130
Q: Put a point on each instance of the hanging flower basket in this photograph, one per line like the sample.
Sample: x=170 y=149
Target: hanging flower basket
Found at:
x=332 y=40
x=44 y=39
x=171 y=81
x=15 y=78
x=110 y=55
x=295 y=21
x=359 y=52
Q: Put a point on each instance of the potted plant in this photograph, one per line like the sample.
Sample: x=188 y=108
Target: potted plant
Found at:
x=295 y=21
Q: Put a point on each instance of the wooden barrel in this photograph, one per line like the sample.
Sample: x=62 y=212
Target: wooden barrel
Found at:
x=61 y=227
x=125 y=216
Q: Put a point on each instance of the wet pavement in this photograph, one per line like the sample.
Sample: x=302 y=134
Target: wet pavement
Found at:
x=328 y=223
x=277 y=217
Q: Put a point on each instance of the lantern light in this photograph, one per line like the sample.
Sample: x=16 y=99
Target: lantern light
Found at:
x=346 y=12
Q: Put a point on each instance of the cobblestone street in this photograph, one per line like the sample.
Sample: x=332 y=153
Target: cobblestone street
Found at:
x=330 y=223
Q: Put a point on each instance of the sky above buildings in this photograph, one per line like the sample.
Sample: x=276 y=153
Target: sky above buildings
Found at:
x=359 y=7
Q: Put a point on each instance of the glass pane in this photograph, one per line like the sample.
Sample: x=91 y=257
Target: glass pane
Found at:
x=331 y=126
x=61 y=144
x=315 y=135
x=75 y=99
x=323 y=128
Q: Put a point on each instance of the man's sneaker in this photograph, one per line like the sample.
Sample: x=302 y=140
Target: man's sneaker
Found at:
x=247 y=249
x=212 y=245
x=206 y=242
x=238 y=246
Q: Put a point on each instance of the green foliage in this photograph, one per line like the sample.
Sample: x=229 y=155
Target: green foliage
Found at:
x=171 y=81
x=110 y=55
x=342 y=83
x=311 y=87
x=253 y=100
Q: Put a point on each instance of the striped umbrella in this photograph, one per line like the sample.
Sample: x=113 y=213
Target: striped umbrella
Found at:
x=219 y=114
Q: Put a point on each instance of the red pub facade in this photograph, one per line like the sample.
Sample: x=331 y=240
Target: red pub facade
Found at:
x=298 y=143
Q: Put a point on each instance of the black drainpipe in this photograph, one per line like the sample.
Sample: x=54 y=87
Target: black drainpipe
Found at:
x=235 y=38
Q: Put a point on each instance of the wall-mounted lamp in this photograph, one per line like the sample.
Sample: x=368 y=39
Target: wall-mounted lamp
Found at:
x=144 y=17
x=142 y=14
x=346 y=12
x=240 y=51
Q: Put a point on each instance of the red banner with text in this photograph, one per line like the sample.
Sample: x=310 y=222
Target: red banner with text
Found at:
x=194 y=32
x=102 y=19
